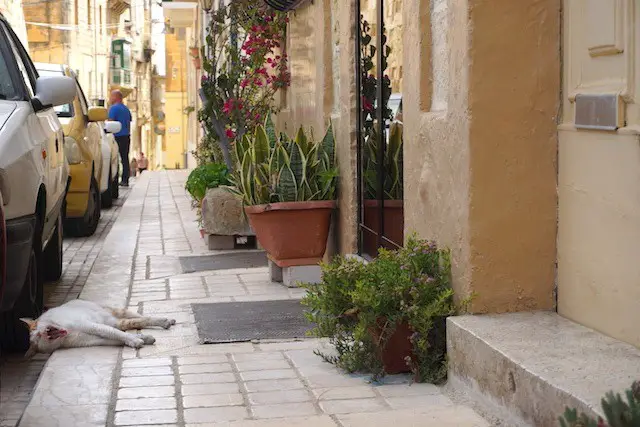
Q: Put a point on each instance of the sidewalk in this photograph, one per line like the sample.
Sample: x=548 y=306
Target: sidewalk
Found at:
x=177 y=381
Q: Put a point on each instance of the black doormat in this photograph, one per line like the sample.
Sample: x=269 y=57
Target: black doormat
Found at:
x=192 y=264
x=229 y=322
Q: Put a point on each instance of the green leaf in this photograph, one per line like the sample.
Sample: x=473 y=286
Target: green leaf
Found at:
x=329 y=145
x=287 y=186
x=261 y=145
x=271 y=131
x=301 y=141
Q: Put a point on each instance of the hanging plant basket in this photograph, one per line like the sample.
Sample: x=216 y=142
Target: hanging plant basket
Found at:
x=194 y=51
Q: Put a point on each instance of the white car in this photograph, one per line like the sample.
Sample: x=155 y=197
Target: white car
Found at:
x=110 y=164
x=34 y=178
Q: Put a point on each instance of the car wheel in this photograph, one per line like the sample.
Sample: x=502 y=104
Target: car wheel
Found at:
x=15 y=334
x=52 y=257
x=115 y=190
x=107 y=196
x=85 y=227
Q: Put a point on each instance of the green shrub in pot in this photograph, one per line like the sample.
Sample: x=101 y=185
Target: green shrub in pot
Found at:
x=360 y=307
x=618 y=412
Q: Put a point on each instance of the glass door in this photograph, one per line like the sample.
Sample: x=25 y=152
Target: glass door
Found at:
x=380 y=141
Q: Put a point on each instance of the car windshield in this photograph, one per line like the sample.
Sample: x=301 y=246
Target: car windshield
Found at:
x=7 y=89
x=65 y=110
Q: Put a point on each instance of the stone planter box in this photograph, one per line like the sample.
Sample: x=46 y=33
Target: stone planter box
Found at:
x=224 y=222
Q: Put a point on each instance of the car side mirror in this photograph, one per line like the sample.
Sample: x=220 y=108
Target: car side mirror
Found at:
x=112 y=127
x=97 y=114
x=55 y=90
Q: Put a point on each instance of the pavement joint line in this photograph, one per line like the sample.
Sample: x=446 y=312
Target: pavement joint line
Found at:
x=304 y=382
x=206 y=288
x=178 y=390
x=241 y=386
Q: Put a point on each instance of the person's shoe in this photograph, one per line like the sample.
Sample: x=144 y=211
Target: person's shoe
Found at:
x=124 y=184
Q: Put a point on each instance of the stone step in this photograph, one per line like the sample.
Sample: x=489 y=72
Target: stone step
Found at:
x=526 y=368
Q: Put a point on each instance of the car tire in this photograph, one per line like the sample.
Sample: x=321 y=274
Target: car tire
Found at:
x=85 y=227
x=107 y=196
x=115 y=190
x=52 y=257
x=30 y=303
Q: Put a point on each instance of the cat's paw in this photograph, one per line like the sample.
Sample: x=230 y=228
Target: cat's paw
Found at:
x=168 y=323
x=148 y=339
x=135 y=342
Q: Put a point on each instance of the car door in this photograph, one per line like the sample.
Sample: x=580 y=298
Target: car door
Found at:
x=92 y=134
x=45 y=128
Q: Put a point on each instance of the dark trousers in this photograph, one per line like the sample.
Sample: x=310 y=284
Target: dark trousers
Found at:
x=124 y=143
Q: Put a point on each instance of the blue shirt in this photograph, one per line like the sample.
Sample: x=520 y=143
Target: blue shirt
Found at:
x=120 y=113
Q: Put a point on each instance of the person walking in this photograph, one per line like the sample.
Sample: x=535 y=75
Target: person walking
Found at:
x=143 y=163
x=119 y=112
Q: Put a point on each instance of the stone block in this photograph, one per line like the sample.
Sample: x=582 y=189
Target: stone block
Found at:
x=222 y=214
x=220 y=243
x=275 y=272
x=526 y=368
x=291 y=276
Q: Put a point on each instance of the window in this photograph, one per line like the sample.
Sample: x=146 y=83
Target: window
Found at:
x=76 y=14
x=7 y=88
x=99 y=23
x=83 y=100
x=29 y=74
x=89 y=13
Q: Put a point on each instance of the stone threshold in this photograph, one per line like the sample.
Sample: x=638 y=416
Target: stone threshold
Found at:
x=526 y=368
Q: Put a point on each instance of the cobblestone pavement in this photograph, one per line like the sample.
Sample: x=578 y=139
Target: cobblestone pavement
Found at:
x=17 y=376
x=179 y=382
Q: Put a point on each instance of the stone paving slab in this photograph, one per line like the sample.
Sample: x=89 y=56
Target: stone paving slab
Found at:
x=178 y=381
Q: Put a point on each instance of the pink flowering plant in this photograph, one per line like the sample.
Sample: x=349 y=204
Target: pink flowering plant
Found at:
x=245 y=66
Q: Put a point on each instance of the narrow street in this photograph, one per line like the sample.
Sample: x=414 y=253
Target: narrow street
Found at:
x=133 y=261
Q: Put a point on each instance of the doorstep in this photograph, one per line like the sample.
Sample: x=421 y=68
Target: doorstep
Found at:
x=526 y=368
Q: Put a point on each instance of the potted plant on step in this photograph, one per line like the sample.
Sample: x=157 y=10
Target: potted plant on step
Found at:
x=389 y=315
x=288 y=188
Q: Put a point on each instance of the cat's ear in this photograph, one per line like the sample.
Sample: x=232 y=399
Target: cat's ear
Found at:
x=31 y=324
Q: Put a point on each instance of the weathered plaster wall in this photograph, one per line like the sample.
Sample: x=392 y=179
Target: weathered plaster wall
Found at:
x=321 y=48
x=599 y=175
x=480 y=168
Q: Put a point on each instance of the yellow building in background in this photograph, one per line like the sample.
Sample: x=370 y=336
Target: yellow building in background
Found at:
x=176 y=102
x=72 y=32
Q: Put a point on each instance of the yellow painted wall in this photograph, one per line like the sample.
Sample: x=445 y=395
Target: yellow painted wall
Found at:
x=176 y=100
x=176 y=126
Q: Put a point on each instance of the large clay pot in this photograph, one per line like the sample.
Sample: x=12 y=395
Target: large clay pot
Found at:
x=292 y=233
x=399 y=347
x=393 y=223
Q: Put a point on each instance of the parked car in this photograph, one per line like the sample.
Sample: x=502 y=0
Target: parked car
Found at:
x=83 y=147
x=110 y=164
x=34 y=178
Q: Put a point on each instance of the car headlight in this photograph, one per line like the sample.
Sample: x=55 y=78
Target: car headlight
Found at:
x=72 y=151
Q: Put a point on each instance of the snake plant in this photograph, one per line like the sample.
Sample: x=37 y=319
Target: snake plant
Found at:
x=392 y=164
x=275 y=169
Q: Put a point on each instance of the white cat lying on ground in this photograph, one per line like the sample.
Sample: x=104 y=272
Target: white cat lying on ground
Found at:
x=80 y=323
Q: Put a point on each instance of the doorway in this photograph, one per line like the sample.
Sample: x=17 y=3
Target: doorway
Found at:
x=379 y=126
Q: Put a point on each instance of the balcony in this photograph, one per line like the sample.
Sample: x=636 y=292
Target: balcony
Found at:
x=119 y=6
x=120 y=77
x=180 y=14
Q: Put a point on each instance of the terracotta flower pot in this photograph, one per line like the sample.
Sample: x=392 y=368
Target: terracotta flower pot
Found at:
x=399 y=346
x=292 y=233
x=202 y=232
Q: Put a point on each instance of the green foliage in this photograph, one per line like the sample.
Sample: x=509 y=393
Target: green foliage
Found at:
x=274 y=170
x=619 y=413
x=410 y=285
x=209 y=175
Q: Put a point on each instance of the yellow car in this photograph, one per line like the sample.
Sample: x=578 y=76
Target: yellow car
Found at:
x=82 y=146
